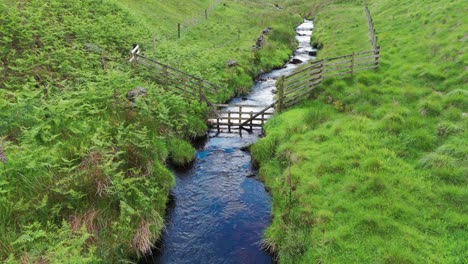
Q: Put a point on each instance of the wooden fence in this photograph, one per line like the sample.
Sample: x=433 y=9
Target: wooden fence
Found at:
x=291 y=89
x=177 y=81
x=295 y=87
x=238 y=116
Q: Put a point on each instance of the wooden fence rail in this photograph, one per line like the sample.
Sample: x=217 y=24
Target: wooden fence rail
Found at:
x=237 y=116
x=295 y=87
x=177 y=81
x=299 y=85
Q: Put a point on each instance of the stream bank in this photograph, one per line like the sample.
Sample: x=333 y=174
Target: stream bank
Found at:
x=220 y=208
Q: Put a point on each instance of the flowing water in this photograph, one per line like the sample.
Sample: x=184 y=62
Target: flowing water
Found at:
x=220 y=208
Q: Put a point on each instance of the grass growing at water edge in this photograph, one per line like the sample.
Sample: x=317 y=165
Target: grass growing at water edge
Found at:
x=376 y=164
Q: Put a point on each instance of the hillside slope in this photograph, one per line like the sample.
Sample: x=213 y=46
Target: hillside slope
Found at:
x=374 y=169
x=83 y=174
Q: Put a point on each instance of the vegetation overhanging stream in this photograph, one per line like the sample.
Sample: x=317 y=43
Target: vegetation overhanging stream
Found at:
x=220 y=209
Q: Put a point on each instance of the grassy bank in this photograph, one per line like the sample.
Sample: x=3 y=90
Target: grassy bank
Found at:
x=374 y=169
x=82 y=174
x=229 y=33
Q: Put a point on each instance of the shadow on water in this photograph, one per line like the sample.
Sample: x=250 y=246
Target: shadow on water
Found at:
x=219 y=209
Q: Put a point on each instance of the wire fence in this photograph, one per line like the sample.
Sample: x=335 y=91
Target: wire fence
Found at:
x=183 y=27
x=372 y=33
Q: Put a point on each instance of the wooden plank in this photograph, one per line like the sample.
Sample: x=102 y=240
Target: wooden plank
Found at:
x=348 y=55
x=317 y=81
x=182 y=78
x=261 y=112
x=336 y=69
x=314 y=83
x=337 y=63
x=301 y=77
x=303 y=95
x=300 y=84
x=294 y=102
x=366 y=57
x=347 y=61
x=243 y=105
x=170 y=73
x=232 y=125
x=184 y=73
x=173 y=86
x=181 y=83
x=316 y=65
x=237 y=118
x=337 y=74
x=178 y=84
x=243 y=113
x=347 y=72
x=346 y=67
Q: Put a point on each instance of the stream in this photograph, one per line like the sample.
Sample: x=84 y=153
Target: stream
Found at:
x=220 y=208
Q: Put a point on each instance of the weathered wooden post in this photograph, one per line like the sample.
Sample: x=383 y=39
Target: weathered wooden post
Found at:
x=251 y=120
x=240 y=117
x=377 y=55
x=200 y=91
x=134 y=54
x=322 y=66
x=352 y=63
x=280 y=94
x=178 y=30
x=229 y=121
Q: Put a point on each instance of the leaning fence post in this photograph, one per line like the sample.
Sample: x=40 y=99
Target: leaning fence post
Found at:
x=280 y=93
x=134 y=53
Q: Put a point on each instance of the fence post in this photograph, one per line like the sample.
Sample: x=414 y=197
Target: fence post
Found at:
x=178 y=30
x=352 y=64
x=240 y=117
x=377 y=55
x=134 y=53
x=206 y=14
x=200 y=91
x=251 y=120
x=280 y=93
x=322 y=67
x=229 y=121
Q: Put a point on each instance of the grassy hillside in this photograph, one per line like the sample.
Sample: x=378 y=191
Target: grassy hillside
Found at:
x=374 y=169
x=228 y=34
x=82 y=175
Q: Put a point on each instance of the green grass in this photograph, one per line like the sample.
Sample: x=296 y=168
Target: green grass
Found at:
x=228 y=34
x=377 y=164
x=84 y=177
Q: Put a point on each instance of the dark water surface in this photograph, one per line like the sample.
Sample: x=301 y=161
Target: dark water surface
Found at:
x=221 y=210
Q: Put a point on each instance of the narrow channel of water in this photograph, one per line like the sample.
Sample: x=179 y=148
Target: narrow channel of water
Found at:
x=221 y=209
